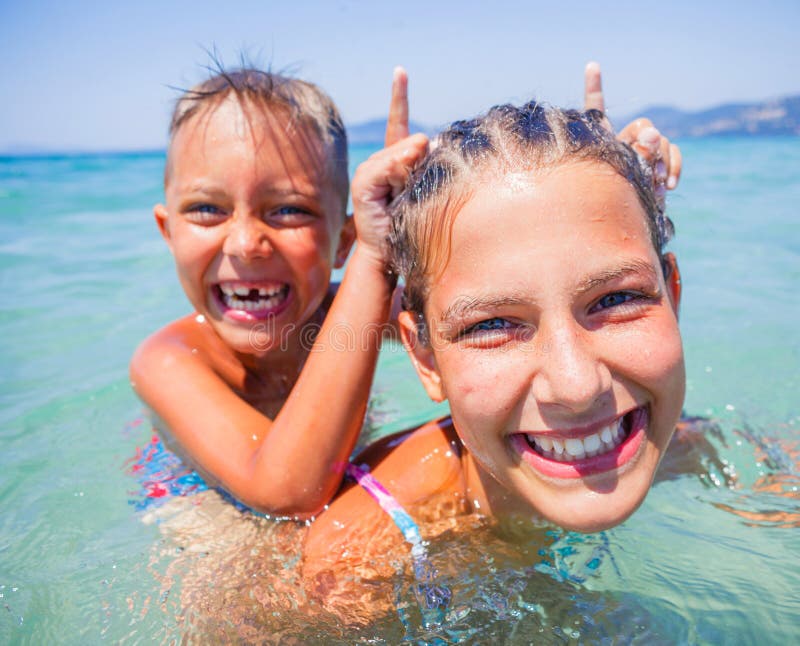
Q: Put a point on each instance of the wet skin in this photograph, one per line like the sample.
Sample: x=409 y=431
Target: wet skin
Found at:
x=552 y=319
x=247 y=208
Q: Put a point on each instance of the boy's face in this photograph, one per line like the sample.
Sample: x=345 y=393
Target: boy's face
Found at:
x=253 y=222
x=552 y=327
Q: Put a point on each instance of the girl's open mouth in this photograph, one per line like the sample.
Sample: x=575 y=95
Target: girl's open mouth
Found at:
x=251 y=301
x=574 y=456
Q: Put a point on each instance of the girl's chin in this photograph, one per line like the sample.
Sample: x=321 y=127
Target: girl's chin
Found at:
x=587 y=507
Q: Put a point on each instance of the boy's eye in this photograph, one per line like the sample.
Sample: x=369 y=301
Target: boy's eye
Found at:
x=291 y=215
x=205 y=214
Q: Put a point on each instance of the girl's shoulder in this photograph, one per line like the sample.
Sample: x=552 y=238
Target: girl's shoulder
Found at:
x=418 y=463
x=413 y=467
x=418 y=476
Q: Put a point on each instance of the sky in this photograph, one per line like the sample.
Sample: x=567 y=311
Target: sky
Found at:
x=83 y=75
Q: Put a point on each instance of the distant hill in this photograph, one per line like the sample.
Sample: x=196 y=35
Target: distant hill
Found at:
x=371 y=132
x=775 y=117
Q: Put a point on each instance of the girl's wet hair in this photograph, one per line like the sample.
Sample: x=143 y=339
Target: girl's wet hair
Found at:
x=505 y=139
x=307 y=108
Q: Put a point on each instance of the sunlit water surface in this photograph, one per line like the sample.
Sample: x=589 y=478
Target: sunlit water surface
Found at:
x=711 y=557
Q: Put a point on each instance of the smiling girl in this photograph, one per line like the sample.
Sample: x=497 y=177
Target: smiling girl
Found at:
x=539 y=302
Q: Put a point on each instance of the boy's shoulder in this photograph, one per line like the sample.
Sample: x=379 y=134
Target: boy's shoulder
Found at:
x=185 y=341
x=180 y=336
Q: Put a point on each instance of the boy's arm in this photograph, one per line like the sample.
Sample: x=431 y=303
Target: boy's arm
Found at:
x=293 y=464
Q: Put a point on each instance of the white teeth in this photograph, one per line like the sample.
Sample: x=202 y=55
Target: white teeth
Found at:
x=241 y=290
x=591 y=443
x=274 y=298
x=263 y=291
x=575 y=448
x=567 y=450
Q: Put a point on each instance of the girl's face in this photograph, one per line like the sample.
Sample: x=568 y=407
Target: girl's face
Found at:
x=554 y=335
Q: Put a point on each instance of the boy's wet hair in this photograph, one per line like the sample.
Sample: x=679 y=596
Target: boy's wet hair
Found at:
x=300 y=102
x=505 y=139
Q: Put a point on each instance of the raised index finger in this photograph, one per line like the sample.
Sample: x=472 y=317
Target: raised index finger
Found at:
x=593 y=88
x=397 y=122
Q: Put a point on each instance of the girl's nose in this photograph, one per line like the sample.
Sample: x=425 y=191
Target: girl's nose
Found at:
x=571 y=374
x=248 y=238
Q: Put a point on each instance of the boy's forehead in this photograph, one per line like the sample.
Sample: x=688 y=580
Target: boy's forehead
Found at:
x=244 y=121
x=240 y=130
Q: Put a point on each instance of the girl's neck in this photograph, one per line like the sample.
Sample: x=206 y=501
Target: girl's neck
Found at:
x=490 y=498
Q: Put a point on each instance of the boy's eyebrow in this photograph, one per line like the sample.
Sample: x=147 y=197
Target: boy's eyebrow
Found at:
x=463 y=306
x=214 y=191
x=615 y=273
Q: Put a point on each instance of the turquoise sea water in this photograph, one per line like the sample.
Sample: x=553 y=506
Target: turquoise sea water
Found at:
x=711 y=557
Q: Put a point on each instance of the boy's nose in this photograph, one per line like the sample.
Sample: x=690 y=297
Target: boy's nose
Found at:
x=570 y=374
x=248 y=238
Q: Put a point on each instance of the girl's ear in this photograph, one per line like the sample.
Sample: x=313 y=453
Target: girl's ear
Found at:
x=162 y=220
x=672 y=276
x=416 y=342
x=347 y=237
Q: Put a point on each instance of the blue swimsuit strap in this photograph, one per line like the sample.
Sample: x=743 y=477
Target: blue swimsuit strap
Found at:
x=432 y=596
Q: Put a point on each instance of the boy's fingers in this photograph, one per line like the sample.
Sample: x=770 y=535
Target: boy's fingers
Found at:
x=675 y=164
x=403 y=161
x=630 y=133
x=647 y=141
x=593 y=92
x=385 y=173
x=397 y=121
x=593 y=88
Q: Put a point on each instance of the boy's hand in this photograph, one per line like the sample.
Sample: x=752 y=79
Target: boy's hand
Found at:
x=397 y=122
x=640 y=134
x=664 y=157
x=379 y=179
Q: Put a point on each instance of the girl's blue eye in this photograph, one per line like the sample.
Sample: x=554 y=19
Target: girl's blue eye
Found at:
x=614 y=299
x=489 y=333
x=490 y=325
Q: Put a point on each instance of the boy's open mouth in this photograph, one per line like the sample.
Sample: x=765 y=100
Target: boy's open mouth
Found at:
x=257 y=299
x=569 y=455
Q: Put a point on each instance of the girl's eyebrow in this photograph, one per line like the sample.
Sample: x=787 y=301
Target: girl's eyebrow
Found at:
x=629 y=268
x=464 y=306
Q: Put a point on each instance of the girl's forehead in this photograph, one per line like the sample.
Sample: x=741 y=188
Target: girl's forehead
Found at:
x=569 y=200
x=566 y=220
